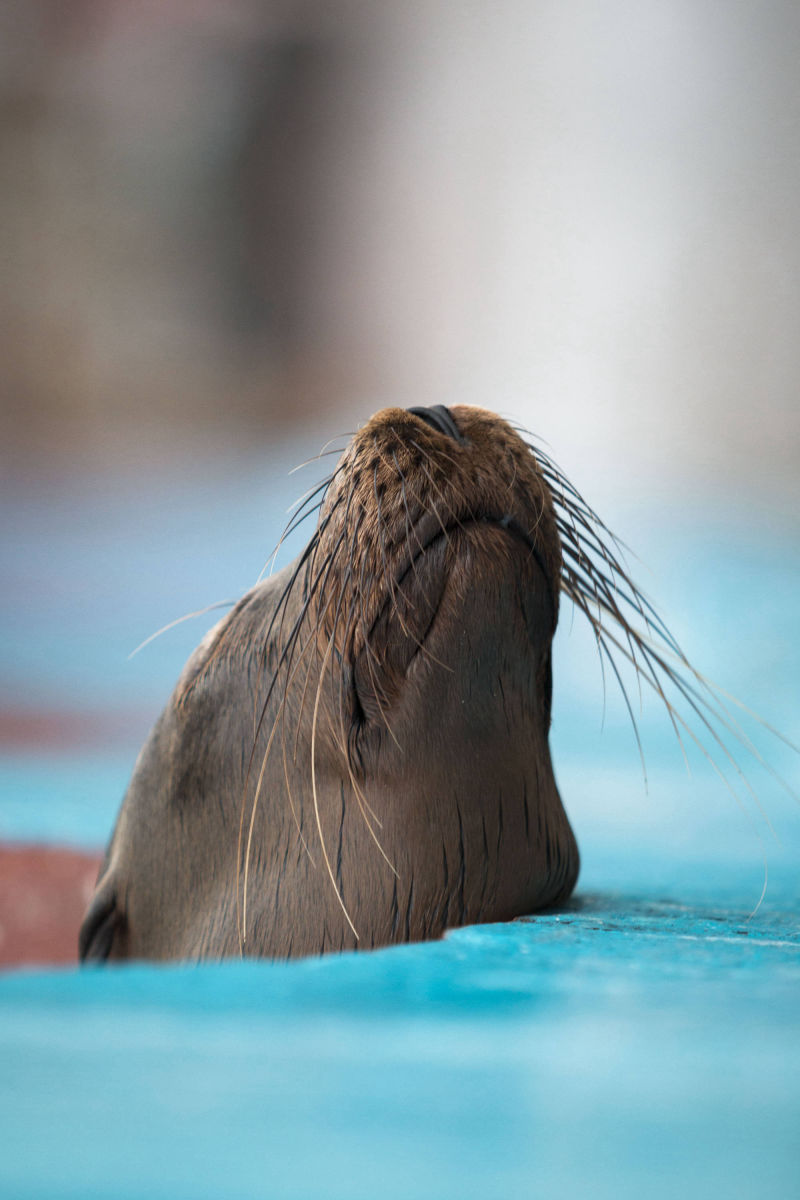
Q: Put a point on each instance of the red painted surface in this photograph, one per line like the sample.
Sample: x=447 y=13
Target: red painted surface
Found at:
x=43 y=895
x=59 y=729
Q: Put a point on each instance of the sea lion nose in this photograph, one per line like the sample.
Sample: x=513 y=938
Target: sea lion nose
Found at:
x=441 y=419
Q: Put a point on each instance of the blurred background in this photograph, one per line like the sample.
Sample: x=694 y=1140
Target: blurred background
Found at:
x=234 y=230
x=225 y=221
x=231 y=230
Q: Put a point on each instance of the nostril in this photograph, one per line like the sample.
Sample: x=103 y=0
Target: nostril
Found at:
x=440 y=419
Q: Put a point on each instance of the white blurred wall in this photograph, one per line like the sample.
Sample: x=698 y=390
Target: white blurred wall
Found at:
x=587 y=215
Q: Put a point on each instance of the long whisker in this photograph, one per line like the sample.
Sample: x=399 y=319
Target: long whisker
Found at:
x=315 y=796
x=200 y=612
x=626 y=623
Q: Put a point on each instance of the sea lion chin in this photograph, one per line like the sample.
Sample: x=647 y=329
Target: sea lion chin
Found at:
x=357 y=755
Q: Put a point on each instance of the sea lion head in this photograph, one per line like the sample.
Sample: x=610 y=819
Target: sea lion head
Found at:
x=357 y=755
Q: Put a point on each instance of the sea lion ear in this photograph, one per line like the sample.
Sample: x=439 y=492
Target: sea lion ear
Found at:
x=103 y=919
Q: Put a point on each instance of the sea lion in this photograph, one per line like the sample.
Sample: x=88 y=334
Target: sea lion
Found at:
x=357 y=755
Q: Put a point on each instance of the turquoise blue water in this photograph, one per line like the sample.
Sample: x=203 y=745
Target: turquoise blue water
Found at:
x=645 y=1041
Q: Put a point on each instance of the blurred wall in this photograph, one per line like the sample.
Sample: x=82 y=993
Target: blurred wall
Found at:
x=223 y=218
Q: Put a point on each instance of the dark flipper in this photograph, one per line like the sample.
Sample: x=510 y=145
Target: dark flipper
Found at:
x=102 y=921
